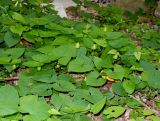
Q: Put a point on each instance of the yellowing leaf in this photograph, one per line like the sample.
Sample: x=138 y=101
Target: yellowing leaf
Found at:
x=54 y=112
x=137 y=55
x=101 y=42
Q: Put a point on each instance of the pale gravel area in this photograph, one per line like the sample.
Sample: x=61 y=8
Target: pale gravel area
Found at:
x=61 y=5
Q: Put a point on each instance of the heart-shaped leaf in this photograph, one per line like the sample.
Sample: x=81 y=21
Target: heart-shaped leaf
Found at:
x=11 y=39
x=93 y=79
x=82 y=64
x=129 y=86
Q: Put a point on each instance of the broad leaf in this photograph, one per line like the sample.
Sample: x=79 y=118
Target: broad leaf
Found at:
x=114 y=111
x=152 y=77
x=93 y=79
x=18 y=17
x=42 y=89
x=63 y=86
x=117 y=73
x=5 y=60
x=64 y=53
x=94 y=95
x=118 y=88
x=11 y=39
x=70 y=106
x=96 y=108
x=148 y=112
x=43 y=58
x=80 y=65
x=129 y=86
x=9 y=100
x=38 y=109
x=62 y=40
x=118 y=43
x=14 y=52
x=101 y=42
x=113 y=35
x=18 y=29
x=44 y=76
x=32 y=64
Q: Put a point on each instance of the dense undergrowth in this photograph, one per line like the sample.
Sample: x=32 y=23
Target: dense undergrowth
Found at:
x=41 y=55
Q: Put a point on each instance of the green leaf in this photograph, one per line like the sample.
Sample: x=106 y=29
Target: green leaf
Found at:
x=154 y=118
x=117 y=73
x=80 y=65
x=94 y=95
x=18 y=17
x=93 y=79
x=28 y=36
x=70 y=106
x=5 y=60
x=9 y=100
x=32 y=64
x=101 y=42
x=114 y=111
x=113 y=35
x=56 y=101
x=152 y=77
x=62 y=40
x=96 y=108
x=43 y=58
x=35 y=2
x=63 y=86
x=158 y=104
x=129 y=86
x=147 y=112
x=118 y=88
x=11 y=39
x=64 y=53
x=98 y=62
x=43 y=76
x=132 y=103
x=30 y=118
x=119 y=43
x=38 y=109
x=48 y=33
x=14 y=52
x=42 y=33
x=53 y=119
x=46 y=49
x=18 y=29
x=42 y=89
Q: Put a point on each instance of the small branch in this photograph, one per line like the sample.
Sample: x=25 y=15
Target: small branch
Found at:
x=146 y=106
x=142 y=103
x=9 y=78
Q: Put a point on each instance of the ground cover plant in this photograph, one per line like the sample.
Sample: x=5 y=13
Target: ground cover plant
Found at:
x=56 y=69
